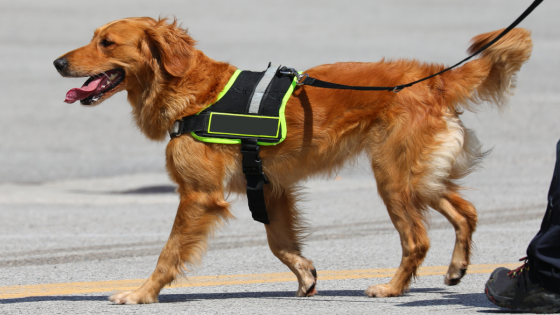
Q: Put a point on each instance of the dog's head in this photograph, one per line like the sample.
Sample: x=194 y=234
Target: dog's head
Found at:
x=124 y=55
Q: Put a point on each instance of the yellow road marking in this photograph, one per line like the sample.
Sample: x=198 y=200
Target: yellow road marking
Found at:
x=19 y=291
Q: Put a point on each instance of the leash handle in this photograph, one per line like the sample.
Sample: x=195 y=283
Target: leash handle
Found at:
x=302 y=80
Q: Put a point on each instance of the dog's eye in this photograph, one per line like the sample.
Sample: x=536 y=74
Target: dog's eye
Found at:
x=106 y=43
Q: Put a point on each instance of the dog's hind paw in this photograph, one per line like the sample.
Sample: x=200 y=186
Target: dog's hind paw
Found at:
x=382 y=290
x=132 y=297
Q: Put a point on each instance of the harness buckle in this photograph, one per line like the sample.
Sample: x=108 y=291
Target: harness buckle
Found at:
x=252 y=163
x=175 y=130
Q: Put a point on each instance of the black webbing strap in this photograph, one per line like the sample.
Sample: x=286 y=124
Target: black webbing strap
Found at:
x=328 y=85
x=252 y=168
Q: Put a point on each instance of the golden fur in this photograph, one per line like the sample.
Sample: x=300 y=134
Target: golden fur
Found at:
x=414 y=139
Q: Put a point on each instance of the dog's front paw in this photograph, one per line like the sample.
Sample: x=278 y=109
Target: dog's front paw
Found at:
x=307 y=288
x=309 y=291
x=382 y=290
x=453 y=278
x=132 y=297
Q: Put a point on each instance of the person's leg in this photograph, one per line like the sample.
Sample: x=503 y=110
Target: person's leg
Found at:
x=544 y=250
x=535 y=286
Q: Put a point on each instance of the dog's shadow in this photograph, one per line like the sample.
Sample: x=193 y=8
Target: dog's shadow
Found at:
x=167 y=298
x=445 y=298
x=185 y=297
x=150 y=190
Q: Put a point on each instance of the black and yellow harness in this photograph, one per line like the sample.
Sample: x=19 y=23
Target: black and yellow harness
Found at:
x=249 y=111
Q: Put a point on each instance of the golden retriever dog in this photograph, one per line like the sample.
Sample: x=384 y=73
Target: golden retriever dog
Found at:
x=416 y=143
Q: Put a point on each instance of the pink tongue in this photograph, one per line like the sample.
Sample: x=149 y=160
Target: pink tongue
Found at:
x=77 y=94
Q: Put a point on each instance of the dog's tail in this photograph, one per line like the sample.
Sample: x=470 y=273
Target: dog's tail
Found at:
x=491 y=77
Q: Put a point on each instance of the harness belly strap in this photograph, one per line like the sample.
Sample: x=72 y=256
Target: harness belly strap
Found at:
x=252 y=168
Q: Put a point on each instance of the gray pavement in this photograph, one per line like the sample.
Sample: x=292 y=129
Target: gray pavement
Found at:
x=84 y=197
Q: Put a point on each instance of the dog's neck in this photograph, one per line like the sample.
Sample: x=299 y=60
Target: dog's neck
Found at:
x=159 y=100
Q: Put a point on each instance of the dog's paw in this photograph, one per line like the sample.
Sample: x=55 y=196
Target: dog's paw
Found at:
x=308 y=289
x=382 y=290
x=453 y=278
x=132 y=297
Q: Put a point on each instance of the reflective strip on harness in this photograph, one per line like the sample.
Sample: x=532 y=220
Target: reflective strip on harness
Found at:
x=261 y=88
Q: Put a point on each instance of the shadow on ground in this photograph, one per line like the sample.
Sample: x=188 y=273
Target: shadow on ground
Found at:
x=444 y=298
x=161 y=189
x=466 y=299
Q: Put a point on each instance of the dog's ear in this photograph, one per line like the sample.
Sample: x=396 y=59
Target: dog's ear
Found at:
x=170 y=45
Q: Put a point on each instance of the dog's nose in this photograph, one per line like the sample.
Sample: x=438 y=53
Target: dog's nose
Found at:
x=60 y=63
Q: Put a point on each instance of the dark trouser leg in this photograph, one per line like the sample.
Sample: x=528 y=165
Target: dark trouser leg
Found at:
x=544 y=250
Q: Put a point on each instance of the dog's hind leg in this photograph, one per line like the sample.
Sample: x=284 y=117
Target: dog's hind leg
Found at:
x=462 y=215
x=198 y=214
x=402 y=177
x=459 y=212
x=284 y=238
x=408 y=221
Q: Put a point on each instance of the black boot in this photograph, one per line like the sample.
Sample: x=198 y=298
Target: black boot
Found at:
x=521 y=291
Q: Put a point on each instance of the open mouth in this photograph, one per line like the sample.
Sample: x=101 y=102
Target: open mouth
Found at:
x=94 y=88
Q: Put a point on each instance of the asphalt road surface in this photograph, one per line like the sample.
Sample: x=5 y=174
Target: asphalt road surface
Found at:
x=86 y=206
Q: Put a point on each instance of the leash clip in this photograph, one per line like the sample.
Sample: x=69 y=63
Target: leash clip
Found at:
x=398 y=88
x=300 y=80
x=294 y=72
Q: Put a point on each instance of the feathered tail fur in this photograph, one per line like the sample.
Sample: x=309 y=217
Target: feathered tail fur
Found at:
x=491 y=77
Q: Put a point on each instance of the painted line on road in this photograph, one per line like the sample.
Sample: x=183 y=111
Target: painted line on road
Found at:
x=20 y=291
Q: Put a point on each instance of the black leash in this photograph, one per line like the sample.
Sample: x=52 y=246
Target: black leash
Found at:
x=304 y=79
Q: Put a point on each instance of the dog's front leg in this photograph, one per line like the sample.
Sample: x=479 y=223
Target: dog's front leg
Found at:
x=198 y=214
x=285 y=237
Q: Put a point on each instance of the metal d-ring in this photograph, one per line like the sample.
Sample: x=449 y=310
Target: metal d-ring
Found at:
x=301 y=78
x=294 y=72
x=398 y=88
